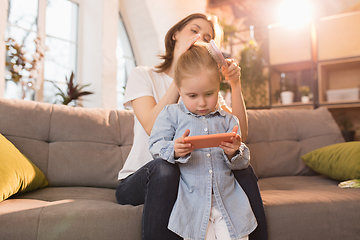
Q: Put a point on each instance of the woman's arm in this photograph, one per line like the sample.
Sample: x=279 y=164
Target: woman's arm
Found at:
x=146 y=110
x=232 y=74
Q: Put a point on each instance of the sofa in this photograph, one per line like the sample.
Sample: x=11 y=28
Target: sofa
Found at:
x=80 y=152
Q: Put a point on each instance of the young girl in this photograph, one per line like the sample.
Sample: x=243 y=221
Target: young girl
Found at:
x=154 y=183
x=210 y=203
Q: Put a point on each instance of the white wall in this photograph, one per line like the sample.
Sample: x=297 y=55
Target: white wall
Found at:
x=98 y=36
x=147 y=22
x=165 y=14
x=141 y=31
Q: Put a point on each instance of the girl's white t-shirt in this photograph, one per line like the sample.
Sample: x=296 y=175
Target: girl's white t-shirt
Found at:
x=144 y=81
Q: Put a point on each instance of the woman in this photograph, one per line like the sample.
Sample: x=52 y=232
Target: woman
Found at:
x=154 y=183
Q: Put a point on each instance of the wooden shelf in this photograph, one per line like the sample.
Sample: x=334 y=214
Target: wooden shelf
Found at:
x=289 y=45
x=294 y=105
x=338 y=36
x=298 y=78
x=346 y=104
x=290 y=67
x=338 y=74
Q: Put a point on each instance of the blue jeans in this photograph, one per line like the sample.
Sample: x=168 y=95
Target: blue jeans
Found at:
x=156 y=185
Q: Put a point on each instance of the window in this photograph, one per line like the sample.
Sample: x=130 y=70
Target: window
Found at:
x=61 y=39
x=22 y=28
x=56 y=23
x=126 y=62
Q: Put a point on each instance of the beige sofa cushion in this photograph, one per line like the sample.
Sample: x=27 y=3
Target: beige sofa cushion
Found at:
x=278 y=138
x=71 y=146
x=70 y=213
x=310 y=207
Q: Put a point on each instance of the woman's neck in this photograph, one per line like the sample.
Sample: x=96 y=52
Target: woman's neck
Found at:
x=170 y=71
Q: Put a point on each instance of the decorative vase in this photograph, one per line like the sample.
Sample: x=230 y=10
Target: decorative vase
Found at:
x=287 y=97
x=305 y=99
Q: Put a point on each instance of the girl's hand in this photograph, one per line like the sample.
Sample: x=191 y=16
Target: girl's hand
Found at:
x=232 y=73
x=230 y=149
x=181 y=148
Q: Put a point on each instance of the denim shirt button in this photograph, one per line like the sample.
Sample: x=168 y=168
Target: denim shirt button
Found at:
x=208 y=155
x=210 y=171
x=205 y=129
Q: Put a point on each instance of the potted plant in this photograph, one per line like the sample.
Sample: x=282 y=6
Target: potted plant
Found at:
x=253 y=76
x=287 y=90
x=73 y=93
x=277 y=96
x=346 y=127
x=305 y=91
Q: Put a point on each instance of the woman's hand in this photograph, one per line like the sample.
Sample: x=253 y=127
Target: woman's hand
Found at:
x=181 y=148
x=184 y=47
x=232 y=73
x=230 y=149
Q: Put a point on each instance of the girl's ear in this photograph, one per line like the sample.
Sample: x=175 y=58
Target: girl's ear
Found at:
x=178 y=90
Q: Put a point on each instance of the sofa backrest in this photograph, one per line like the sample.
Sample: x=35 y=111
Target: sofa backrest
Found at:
x=71 y=146
x=278 y=138
x=88 y=147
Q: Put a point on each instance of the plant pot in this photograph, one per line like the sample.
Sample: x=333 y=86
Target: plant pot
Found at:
x=348 y=135
x=305 y=99
x=287 y=97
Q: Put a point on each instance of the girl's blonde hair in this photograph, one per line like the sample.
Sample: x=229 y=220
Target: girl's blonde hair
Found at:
x=170 y=42
x=195 y=61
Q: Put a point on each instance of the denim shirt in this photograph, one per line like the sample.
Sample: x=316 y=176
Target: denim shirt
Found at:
x=203 y=172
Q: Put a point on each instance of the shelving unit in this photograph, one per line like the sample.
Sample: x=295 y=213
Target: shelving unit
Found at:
x=339 y=74
x=338 y=36
x=291 y=52
x=339 y=57
x=299 y=76
x=330 y=51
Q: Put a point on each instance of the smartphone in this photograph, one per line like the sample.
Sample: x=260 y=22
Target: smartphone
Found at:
x=208 y=141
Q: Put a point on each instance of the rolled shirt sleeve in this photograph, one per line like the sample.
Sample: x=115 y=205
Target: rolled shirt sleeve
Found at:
x=161 y=144
x=241 y=159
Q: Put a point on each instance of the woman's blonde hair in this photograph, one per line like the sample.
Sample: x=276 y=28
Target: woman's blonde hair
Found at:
x=195 y=61
x=170 y=42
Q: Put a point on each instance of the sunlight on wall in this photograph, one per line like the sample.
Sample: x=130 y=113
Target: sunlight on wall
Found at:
x=295 y=13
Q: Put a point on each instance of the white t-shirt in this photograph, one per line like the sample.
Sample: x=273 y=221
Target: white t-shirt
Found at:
x=144 y=81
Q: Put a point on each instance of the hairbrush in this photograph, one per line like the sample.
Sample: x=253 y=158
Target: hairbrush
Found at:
x=216 y=54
